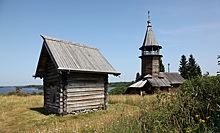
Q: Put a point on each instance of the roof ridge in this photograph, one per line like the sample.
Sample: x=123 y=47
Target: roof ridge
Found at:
x=170 y=72
x=68 y=42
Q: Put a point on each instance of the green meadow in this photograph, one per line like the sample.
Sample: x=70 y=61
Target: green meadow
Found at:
x=194 y=108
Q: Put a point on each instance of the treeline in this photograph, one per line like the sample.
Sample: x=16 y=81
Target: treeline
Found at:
x=39 y=87
x=119 y=87
x=118 y=84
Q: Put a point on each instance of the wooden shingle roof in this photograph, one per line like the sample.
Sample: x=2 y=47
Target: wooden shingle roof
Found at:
x=165 y=79
x=159 y=82
x=70 y=56
x=138 y=84
x=173 y=77
x=150 y=38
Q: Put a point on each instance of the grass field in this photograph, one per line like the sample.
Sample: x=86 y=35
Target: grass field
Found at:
x=195 y=107
x=25 y=114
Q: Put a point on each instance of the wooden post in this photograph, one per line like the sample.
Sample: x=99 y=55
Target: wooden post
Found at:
x=106 y=92
x=63 y=98
x=45 y=94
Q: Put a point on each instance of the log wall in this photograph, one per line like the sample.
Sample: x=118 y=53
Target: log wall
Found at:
x=51 y=88
x=72 y=92
x=86 y=92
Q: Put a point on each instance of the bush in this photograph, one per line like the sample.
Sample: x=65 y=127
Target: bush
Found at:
x=194 y=108
x=205 y=93
x=18 y=93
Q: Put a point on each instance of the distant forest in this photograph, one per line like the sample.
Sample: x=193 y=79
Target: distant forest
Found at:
x=40 y=87
x=118 y=84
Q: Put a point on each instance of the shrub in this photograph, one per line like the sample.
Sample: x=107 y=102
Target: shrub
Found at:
x=194 y=108
x=205 y=93
x=18 y=93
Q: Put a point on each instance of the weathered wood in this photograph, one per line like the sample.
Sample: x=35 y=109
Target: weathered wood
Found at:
x=51 y=88
x=81 y=94
x=90 y=101
x=81 y=85
x=85 y=98
x=53 y=76
x=74 y=91
x=83 y=89
x=69 y=110
x=106 y=92
x=85 y=104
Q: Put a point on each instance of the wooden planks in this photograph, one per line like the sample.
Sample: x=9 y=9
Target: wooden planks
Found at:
x=72 y=92
x=51 y=88
x=85 y=91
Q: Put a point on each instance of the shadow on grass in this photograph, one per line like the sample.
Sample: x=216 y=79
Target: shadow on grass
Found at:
x=40 y=110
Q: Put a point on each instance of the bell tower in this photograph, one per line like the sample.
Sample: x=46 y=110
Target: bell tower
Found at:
x=150 y=53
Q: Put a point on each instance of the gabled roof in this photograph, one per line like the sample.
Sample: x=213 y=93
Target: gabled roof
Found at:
x=70 y=56
x=173 y=77
x=159 y=82
x=138 y=84
x=165 y=79
x=148 y=76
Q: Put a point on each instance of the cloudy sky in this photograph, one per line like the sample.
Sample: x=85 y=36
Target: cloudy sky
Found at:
x=116 y=27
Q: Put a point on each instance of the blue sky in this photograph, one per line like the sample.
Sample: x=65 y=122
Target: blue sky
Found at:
x=117 y=27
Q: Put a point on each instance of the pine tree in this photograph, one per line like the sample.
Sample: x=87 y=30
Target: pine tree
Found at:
x=162 y=68
x=198 y=69
x=137 y=76
x=218 y=73
x=189 y=69
x=183 y=67
x=193 y=68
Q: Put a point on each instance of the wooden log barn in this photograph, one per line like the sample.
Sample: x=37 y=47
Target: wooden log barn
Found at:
x=75 y=76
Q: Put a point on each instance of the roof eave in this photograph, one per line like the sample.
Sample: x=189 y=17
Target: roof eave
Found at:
x=88 y=71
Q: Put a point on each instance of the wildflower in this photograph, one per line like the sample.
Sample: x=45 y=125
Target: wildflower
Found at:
x=196 y=116
x=189 y=130
x=201 y=121
x=207 y=117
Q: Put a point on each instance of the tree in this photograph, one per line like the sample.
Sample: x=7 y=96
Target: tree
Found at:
x=183 y=67
x=189 y=69
x=193 y=68
x=138 y=76
x=162 y=68
x=199 y=71
x=218 y=73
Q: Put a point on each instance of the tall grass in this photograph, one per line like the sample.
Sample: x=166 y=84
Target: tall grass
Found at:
x=25 y=114
x=194 y=108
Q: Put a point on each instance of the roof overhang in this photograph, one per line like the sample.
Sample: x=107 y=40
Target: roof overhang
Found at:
x=138 y=84
x=158 y=82
x=87 y=71
x=52 y=48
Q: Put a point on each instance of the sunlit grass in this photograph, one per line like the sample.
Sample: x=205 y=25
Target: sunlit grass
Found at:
x=134 y=100
x=25 y=114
